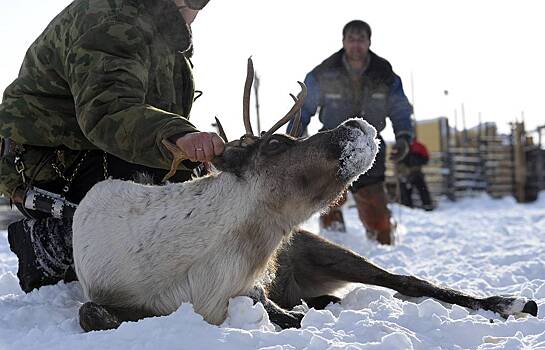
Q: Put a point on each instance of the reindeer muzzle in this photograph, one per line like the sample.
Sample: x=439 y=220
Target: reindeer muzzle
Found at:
x=359 y=147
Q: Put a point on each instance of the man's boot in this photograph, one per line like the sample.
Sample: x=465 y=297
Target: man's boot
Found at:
x=374 y=214
x=333 y=219
x=44 y=250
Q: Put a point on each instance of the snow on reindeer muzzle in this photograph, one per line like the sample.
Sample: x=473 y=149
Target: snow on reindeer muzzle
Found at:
x=359 y=147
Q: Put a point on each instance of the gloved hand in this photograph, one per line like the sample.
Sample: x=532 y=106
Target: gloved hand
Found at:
x=400 y=149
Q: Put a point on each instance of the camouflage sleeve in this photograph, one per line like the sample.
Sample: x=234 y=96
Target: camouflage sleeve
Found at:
x=107 y=69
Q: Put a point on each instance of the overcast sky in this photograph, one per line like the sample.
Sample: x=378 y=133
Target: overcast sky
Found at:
x=489 y=55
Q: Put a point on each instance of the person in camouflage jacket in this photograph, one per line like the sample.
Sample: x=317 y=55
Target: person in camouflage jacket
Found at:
x=97 y=92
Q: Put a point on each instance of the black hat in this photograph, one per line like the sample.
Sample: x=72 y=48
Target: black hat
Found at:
x=196 y=4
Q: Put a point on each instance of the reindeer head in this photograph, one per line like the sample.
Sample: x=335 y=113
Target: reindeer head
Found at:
x=288 y=170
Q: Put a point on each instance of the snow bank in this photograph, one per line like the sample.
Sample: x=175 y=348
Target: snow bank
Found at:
x=480 y=245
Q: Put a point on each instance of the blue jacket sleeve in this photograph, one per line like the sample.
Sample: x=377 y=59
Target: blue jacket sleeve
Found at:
x=400 y=109
x=311 y=103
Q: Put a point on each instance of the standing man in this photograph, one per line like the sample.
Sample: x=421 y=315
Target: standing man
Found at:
x=97 y=93
x=411 y=177
x=355 y=82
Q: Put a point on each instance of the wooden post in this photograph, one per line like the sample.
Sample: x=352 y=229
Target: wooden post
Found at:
x=456 y=133
x=450 y=190
x=465 y=136
x=519 y=161
x=540 y=161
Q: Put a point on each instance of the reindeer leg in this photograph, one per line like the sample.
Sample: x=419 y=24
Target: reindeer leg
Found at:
x=310 y=266
x=283 y=318
x=95 y=317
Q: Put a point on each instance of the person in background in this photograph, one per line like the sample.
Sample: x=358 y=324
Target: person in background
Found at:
x=410 y=176
x=356 y=82
x=98 y=92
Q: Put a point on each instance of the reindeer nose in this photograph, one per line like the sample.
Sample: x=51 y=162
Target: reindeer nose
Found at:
x=356 y=124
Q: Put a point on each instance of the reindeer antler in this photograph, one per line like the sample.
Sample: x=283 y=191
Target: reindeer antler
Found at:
x=221 y=130
x=296 y=121
x=296 y=107
x=177 y=156
x=246 y=98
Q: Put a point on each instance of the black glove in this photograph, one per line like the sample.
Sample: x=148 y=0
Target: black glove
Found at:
x=400 y=149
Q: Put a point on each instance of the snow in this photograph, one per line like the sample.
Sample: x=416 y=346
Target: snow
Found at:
x=480 y=245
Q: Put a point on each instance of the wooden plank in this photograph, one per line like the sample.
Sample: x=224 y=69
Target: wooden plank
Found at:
x=466 y=159
x=468 y=150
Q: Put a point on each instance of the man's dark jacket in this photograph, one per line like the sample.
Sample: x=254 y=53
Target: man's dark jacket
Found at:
x=380 y=95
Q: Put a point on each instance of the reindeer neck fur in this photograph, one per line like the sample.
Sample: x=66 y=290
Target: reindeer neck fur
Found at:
x=241 y=242
x=215 y=196
x=256 y=228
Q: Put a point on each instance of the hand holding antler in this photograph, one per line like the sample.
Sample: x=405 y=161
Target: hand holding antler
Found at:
x=201 y=146
x=196 y=146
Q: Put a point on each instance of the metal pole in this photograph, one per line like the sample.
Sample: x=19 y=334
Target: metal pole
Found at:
x=256 y=91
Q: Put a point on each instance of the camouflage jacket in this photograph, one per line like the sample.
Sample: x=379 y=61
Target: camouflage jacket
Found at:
x=105 y=74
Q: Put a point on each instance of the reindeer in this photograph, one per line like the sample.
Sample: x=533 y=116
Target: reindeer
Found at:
x=142 y=250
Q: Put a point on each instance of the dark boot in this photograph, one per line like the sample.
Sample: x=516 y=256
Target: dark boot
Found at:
x=374 y=214
x=44 y=250
x=30 y=273
x=333 y=219
x=419 y=182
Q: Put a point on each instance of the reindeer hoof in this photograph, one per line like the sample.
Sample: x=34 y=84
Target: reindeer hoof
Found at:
x=320 y=303
x=530 y=308
x=287 y=319
x=507 y=306
x=93 y=317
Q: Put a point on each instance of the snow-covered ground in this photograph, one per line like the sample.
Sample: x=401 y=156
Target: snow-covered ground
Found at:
x=479 y=245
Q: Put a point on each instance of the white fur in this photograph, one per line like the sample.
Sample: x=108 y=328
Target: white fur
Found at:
x=153 y=255
x=516 y=307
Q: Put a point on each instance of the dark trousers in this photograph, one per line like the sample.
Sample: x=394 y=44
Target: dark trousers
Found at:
x=94 y=168
x=415 y=180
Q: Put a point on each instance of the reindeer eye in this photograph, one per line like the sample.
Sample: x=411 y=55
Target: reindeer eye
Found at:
x=274 y=146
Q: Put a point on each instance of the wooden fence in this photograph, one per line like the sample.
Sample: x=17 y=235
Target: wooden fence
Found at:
x=480 y=161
